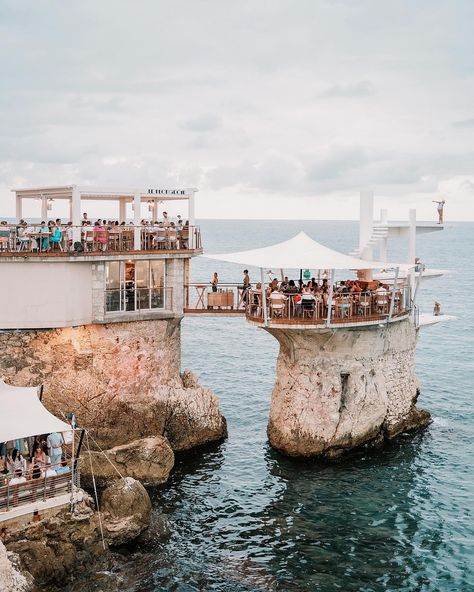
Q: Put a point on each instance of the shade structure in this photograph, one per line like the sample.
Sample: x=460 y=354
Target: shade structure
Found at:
x=299 y=252
x=22 y=414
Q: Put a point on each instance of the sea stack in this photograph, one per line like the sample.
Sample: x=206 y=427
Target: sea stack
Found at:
x=339 y=388
x=93 y=312
x=345 y=374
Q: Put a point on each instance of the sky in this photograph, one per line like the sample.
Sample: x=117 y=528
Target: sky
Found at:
x=272 y=108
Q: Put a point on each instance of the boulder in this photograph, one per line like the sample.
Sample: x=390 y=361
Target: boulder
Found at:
x=126 y=509
x=149 y=460
x=11 y=579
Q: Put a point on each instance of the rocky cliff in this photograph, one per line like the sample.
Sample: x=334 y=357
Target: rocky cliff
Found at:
x=338 y=389
x=122 y=380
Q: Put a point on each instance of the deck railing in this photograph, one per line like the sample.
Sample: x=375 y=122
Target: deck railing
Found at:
x=35 y=238
x=39 y=486
x=200 y=297
x=131 y=299
x=352 y=308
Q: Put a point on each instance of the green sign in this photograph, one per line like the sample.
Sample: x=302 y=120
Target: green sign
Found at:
x=306 y=274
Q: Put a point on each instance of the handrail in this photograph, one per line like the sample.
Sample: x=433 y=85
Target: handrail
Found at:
x=40 y=485
x=344 y=308
x=37 y=238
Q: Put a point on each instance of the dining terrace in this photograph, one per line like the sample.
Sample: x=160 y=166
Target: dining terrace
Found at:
x=297 y=309
x=53 y=239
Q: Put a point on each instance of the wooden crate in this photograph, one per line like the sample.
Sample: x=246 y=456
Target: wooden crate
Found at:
x=222 y=299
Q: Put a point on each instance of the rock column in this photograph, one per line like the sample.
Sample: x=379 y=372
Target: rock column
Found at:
x=337 y=389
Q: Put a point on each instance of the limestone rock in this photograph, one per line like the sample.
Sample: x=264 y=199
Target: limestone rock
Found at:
x=158 y=530
x=121 y=379
x=338 y=389
x=149 y=460
x=11 y=579
x=126 y=508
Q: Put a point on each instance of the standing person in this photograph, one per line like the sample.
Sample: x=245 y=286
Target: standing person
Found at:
x=245 y=287
x=440 y=209
x=215 y=282
x=166 y=220
x=55 y=450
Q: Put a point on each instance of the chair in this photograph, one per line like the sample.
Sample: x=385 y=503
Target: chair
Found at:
x=343 y=307
x=184 y=237
x=308 y=307
x=364 y=305
x=172 y=239
x=381 y=302
x=101 y=238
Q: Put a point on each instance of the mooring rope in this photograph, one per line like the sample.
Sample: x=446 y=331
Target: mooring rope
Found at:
x=95 y=491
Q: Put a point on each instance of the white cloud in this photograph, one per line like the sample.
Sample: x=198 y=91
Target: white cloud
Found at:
x=258 y=104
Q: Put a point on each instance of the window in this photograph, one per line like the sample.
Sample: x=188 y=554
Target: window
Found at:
x=134 y=285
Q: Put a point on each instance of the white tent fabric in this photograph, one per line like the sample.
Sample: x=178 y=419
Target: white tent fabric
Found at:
x=299 y=252
x=22 y=414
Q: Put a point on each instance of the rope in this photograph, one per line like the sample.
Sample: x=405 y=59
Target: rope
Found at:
x=95 y=492
x=107 y=458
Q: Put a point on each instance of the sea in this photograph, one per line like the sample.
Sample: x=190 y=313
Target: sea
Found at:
x=244 y=518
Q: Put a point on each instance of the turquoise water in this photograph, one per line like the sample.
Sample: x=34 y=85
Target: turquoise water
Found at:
x=245 y=518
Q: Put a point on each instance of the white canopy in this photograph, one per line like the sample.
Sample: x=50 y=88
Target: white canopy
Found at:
x=299 y=252
x=22 y=414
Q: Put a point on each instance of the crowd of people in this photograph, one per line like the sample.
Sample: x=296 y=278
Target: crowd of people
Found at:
x=297 y=298
x=29 y=460
x=96 y=234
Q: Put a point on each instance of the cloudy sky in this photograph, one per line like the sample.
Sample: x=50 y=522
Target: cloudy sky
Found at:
x=273 y=108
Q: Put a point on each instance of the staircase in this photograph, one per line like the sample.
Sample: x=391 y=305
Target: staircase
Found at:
x=379 y=232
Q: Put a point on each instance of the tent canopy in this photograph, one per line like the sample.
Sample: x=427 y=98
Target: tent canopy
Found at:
x=299 y=252
x=22 y=414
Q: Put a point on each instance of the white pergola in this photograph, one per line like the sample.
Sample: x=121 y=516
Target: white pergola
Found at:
x=75 y=195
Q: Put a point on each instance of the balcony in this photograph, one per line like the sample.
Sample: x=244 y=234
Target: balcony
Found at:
x=35 y=240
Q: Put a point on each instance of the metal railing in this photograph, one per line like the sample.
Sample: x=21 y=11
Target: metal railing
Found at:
x=37 y=238
x=129 y=298
x=42 y=484
x=305 y=309
x=202 y=297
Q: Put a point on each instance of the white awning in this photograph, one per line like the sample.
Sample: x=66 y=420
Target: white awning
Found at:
x=22 y=414
x=300 y=252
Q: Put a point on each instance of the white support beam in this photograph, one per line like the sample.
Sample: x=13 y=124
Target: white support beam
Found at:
x=392 y=299
x=330 y=295
x=122 y=209
x=19 y=208
x=412 y=237
x=137 y=202
x=191 y=209
x=155 y=210
x=366 y=223
x=264 y=298
x=76 y=214
x=44 y=208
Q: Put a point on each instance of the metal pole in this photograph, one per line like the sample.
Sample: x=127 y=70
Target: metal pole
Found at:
x=416 y=286
x=392 y=299
x=264 y=298
x=331 y=290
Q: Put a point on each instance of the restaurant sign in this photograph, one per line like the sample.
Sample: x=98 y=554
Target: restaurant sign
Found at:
x=168 y=191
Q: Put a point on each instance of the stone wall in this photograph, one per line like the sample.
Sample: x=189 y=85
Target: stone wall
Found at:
x=338 y=389
x=122 y=380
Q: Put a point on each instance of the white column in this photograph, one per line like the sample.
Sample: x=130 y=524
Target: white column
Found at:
x=264 y=298
x=383 y=241
x=137 y=203
x=155 y=210
x=44 y=208
x=122 y=209
x=366 y=223
x=191 y=210
x=19 y=210
x=412 y=237
x=330 y=295
x=76 y=214
x=394 y=289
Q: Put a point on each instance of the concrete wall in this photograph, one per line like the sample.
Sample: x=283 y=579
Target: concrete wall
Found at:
x=45 y=295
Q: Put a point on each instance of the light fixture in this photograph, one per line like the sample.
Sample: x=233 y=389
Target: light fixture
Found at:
x=50 y=203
